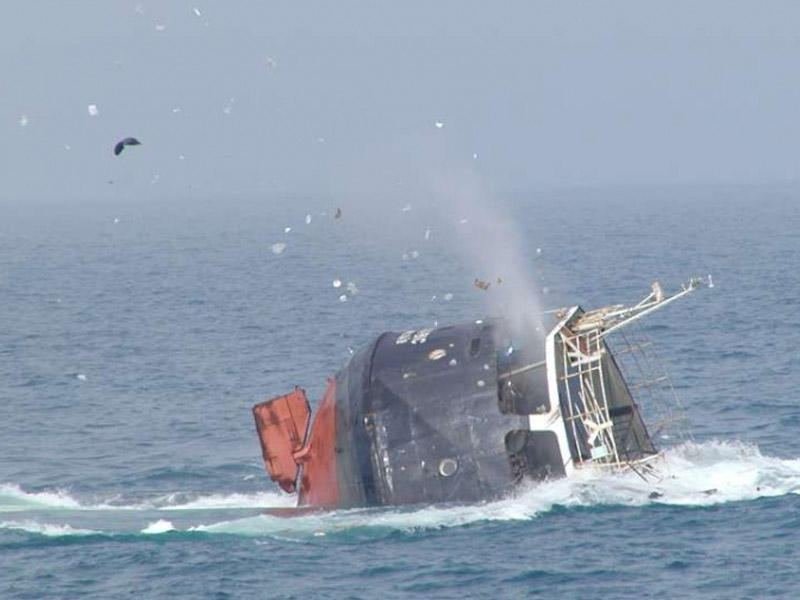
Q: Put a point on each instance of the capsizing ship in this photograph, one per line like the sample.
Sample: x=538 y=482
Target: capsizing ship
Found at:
x=463 y=413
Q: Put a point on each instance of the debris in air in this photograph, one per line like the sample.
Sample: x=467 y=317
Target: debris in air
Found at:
x=92 y=109
x=196 y=11
x=80 y=377
x=278 y=248
x=439 y=124
x=406 y=208
x=338 y=214
x=287 y=229
x=428 y=234
x=343 y=298
x=481 y=285
x=128 y=141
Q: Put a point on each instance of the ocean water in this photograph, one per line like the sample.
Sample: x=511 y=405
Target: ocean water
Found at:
x=136 y=334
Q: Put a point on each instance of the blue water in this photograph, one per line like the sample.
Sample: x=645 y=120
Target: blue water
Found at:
x=136 y=334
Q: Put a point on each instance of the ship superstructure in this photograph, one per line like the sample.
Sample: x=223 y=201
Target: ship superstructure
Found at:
x=464 y=413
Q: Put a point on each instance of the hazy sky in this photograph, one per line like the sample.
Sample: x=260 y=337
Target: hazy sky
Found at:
x=307 y=97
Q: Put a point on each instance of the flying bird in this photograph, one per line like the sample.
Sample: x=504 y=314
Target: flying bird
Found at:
x=128 y=141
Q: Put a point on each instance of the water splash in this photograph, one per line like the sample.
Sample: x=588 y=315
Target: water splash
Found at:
x=690 y=475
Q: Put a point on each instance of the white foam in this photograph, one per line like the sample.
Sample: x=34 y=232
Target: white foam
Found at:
x=14 y=498
x=226 y=501
x=160 y=526
x=690 y=475
x=46 y=529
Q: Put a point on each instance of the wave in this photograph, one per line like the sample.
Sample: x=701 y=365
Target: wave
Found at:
x=45 y=529
x=160 y=526
x=688 y=475
x=13 y=498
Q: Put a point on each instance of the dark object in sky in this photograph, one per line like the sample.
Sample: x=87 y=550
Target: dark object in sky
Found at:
x=338 y=214
x=464 y=413
x=128 y=141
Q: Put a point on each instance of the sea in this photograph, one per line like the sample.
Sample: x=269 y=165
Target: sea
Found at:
x=137 y=333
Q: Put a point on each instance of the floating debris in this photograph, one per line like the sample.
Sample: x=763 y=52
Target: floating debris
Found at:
x=463 y=221
x=92 y=109
x=308 y=219
x=176 y=109
x=343 y=298
x=116 y=220
x=23 y=121
x=271 y=62
x=538 y=251
x=128 y=141
x=406 y=208
x=448 y=296
x=351 y=288
x=196 y=11
x=228 y=108
x=278 y=248
x=337 y=283
x=474 y=156
x=428 y=234
x=287 y=229
x=453 y=362
x=160 y=27
x=414 y=254
x=480 y=284
x=439 y=124
x=499 y=280
x=80 y=377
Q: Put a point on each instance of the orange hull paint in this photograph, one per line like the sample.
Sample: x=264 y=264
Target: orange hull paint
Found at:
x=318 y=484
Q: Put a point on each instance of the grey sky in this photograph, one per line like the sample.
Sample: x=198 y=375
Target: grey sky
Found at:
x=546 y=93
